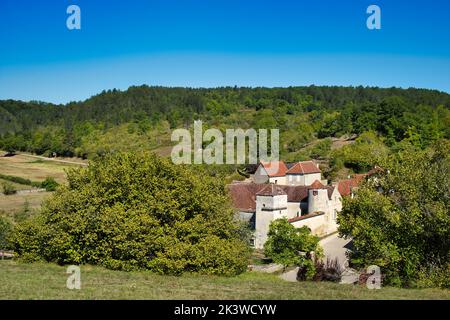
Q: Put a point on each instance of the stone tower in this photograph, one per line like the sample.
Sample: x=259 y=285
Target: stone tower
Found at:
x=271 y=204
x=317 y=198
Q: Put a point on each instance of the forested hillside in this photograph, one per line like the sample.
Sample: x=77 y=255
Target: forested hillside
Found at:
x=143 y=117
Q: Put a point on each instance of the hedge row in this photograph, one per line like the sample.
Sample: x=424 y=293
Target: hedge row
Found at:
x=21 y=180
x=49 y=183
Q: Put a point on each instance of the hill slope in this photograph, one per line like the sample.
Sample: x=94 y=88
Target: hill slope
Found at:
x=145 y=116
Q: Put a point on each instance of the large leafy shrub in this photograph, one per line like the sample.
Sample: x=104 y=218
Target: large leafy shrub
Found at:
x=137 y=211
x=49 y=184
x=8 y=188
x=292 y=246
x=5 y=231
x=400 y=220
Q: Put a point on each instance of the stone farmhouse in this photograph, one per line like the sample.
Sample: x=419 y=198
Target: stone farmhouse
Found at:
x=295 y=191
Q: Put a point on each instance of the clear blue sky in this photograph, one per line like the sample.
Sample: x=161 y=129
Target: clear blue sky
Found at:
x=219 y=42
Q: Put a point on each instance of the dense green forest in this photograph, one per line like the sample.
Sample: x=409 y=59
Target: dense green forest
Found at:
x=142 y=117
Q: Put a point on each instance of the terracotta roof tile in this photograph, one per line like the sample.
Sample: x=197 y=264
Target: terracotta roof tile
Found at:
x=271 y=190
x=243 y=195
x=317 y=185
x=296 y=193
x=275 y=168
x=304 y=167
x=345 y=186
x=330 y=190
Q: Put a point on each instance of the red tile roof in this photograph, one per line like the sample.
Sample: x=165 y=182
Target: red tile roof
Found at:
x=330 y=190
x=317 y=185
x=296 y=193
x=243 y=195
x=346 y=186
x=304 y=167
x=306 y=216
x=275 y=168
x=271 y=190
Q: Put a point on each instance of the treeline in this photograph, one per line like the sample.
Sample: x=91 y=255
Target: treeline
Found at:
x=143 y=116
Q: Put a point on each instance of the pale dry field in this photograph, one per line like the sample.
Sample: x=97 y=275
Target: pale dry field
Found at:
x=28 y=167
x=16 y=186
x=14 y=203
x=35 y=169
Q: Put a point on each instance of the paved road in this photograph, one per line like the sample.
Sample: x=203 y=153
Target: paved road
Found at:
x=53 y=159
x=334 y=248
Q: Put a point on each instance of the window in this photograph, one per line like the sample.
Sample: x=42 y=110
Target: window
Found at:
x=315 y=192
x=276 y=181
x=252 y=242
x=335 y=214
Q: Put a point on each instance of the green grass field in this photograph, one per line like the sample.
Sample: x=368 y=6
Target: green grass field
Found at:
x=48 y=281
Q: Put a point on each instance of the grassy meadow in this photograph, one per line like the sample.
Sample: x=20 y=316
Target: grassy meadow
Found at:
x=9 y=205
x=48 y=281
x=35 y=169
x=32 y=168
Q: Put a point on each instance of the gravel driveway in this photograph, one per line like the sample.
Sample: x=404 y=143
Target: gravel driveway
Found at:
x=335 y=247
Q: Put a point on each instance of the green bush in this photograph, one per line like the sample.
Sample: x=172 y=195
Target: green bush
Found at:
x=20 y=180
x=137 y=211
x=292 y=246
x=15 y=179
x=5 y=231
x=362 y=155
x=24 y=213
x=49 y=184
x=400 y=221
x=8 y=188
x=434 y=276
x=321 y=149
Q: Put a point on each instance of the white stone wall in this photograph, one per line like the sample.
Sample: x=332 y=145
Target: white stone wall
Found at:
x=295 y=179
x=317 y=200
x=302 y=179
x=317 y=225
x=310 y=178
x=260 y=175
x=278 y=180
x=293 y=210
x=334 y=207
x=331 y=207
x=268 y=208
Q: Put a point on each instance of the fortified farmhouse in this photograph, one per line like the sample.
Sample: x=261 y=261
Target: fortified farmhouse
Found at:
x=295 y=191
